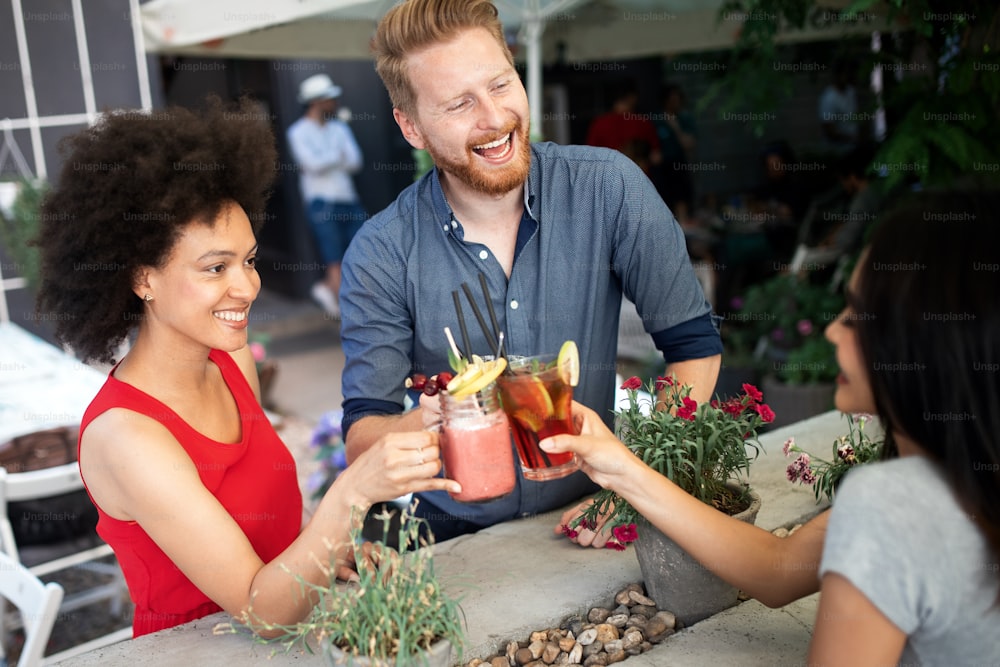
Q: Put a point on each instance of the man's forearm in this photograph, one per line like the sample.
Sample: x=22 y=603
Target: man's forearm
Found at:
x=701 y=374
x=366 y=431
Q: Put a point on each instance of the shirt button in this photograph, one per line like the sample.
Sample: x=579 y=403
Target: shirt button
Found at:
x=483 y=254
x=513 y=304
x=446 y=228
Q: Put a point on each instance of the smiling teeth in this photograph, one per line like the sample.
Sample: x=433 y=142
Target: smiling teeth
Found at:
x=230 y=316
x=494 y=144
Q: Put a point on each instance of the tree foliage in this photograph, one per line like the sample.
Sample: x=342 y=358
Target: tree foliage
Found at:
x=941 y=66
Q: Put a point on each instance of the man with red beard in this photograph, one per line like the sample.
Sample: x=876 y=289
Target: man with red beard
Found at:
x=560 y=233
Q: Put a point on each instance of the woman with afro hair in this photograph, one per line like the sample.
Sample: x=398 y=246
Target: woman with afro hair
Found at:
x=149 y=234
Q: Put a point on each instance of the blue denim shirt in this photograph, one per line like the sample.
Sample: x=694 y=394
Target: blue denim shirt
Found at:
x=593 y=229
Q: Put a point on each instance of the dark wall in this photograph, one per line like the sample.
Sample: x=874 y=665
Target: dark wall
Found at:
x=288 y=260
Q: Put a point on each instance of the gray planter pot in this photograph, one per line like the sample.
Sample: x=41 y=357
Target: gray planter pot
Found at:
x=794 y=402
x=438 y=656
x=676 y=581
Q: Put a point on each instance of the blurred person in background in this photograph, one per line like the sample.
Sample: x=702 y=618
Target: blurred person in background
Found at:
x=327 y=155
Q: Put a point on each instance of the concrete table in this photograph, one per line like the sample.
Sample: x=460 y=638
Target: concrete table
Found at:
x=518 y=576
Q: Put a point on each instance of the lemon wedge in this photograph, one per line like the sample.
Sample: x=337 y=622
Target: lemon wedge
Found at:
x=568 y=363
x=476 y=377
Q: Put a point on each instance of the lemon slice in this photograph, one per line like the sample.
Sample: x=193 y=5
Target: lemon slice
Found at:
x=568 y=363
x=476 y=377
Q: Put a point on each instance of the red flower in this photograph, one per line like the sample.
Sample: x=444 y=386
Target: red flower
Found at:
x=733 y=407
x=687 y=411
x=753 y=392
x=664 y=382
x=632 y=383
x=568 y=532
x=617 y=546
x=766 y=413
x=626 y=533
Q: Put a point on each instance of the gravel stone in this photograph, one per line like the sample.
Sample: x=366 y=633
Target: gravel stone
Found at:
x=598 y=615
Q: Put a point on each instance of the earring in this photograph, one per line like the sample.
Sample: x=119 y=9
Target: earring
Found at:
x=147 y=298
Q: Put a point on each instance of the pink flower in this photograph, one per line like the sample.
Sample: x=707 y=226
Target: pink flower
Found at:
x=626 y=533
x=688 y=410
x=617 y=546
x=765 y=412
x=805 y=327
x=632 y=383
x=808 y=476
x=787 y=447
x=778 y=335
x=753 y=392
x=258 y=351
x=799 y=468
x=846 y=454
x=568 y=532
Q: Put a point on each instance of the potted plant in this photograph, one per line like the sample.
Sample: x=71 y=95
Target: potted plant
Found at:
x=706 y=450
x=783 y=319
x=397 y=613
x=855 y=448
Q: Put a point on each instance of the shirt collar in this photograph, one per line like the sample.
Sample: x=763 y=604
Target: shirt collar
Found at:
x=442 y=210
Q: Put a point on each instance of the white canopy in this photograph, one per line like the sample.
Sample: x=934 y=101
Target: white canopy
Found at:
x=588 y=30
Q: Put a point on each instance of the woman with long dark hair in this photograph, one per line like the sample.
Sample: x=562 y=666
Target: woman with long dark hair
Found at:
x=906 y=561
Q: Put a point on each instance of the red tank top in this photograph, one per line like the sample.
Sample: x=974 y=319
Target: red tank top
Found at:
x=254 y=479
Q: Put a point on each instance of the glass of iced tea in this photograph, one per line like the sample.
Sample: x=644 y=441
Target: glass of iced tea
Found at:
x=537 y=399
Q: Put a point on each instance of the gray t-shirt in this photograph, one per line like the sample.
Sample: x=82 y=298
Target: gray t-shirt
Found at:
x=897 y=533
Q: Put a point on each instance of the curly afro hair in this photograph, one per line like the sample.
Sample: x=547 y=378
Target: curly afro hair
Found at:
x=128 y=188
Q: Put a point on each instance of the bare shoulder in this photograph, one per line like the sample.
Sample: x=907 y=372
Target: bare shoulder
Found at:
x=125 y=456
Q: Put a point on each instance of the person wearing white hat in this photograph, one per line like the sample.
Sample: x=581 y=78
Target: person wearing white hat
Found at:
x=327 y=154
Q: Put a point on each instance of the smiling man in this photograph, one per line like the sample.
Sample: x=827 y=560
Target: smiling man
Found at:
x=560 y=234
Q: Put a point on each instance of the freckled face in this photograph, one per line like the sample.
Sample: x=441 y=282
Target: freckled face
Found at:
x=471 y=112
x=205 y=289
x=854 y=392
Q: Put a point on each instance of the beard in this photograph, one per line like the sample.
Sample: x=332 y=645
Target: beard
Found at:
x=493 y=181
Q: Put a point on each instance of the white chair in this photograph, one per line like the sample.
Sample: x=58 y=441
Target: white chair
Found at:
x=37 y=602
x=84 y=553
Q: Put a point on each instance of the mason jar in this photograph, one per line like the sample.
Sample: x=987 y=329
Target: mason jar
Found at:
x=476 y=445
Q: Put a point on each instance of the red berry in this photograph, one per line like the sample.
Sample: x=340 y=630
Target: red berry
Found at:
x=431 y=387
x=416 y=381
x=443 y=378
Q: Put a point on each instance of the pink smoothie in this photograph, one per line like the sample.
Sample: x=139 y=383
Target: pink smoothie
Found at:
x=480 y=460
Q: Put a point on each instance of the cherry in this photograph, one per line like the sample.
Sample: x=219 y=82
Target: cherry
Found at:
x=443 y=378
x=431 y=387
x=416 y=381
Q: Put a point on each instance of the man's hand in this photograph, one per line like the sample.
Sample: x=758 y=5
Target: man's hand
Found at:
x=585 y=537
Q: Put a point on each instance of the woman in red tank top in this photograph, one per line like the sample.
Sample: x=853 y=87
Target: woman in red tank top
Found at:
x=196 y=493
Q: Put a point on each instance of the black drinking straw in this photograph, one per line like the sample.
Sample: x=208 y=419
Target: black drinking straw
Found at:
x=461 y=325
x=492 y=313
x=479 y=317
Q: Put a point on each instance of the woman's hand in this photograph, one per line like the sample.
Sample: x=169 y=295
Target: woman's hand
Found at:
x=397 y=464
x=602 y=456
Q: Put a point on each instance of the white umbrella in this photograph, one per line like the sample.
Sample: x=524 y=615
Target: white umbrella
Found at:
x=589 y=30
